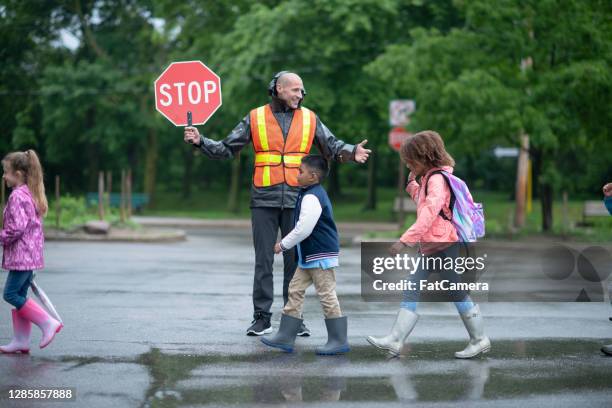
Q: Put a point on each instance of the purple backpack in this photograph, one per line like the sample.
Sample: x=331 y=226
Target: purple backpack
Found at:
x=468 y=216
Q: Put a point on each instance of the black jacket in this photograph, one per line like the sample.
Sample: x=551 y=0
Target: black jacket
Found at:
x=280 y=195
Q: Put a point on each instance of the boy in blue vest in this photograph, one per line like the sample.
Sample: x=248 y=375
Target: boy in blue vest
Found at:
x=316 y=238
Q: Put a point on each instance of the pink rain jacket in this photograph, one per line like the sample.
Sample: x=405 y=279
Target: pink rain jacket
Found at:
x=430 y=230
x=22 y=234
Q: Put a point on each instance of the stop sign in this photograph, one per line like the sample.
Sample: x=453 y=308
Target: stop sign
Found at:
x=187 y=86
x=397 y=136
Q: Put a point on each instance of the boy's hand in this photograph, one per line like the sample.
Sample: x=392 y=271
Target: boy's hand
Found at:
x=397 y=248
x=607 y=190
x=277 y=248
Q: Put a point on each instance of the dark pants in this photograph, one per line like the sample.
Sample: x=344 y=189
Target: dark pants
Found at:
x=266 y=223
x=16 y=287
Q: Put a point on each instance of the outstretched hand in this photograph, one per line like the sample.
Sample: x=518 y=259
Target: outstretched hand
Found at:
x=361 y=153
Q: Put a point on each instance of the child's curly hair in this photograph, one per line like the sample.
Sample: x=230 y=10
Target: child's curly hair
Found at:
x=426 y=148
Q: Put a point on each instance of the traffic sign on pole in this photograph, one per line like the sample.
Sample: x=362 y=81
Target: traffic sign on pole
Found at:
x=397 y=136
x=400 y=111
x=187 y=90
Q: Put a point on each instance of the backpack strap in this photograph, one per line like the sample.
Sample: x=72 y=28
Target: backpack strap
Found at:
x=452 y=193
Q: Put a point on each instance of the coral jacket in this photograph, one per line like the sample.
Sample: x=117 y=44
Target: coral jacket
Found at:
x=430 y=230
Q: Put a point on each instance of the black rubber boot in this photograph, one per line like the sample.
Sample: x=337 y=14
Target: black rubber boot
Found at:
x=285 y=336
x=336 y=337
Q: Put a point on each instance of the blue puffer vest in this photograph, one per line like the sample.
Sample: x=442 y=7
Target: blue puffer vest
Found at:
x=323 y=241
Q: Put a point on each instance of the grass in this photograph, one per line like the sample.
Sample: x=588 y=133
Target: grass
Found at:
x=75 y=213
x=499 y=213
x=212 y=204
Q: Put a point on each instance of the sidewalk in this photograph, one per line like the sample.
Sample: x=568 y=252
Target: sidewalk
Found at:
x=348 y=228
x=352 y=233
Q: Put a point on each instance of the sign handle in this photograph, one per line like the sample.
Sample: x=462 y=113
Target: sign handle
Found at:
x=189 y=119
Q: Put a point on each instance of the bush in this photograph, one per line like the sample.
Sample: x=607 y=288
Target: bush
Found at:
x=74 y=213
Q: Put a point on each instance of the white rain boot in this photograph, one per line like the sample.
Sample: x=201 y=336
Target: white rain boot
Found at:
x=394 y=341
x=479 y=343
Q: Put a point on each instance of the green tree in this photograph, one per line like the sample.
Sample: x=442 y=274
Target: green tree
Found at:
x=539 y=67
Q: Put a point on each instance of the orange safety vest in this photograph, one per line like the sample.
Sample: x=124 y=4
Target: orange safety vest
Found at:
x=277 y=160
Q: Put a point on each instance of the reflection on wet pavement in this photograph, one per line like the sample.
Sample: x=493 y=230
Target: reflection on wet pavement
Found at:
x=513 y=370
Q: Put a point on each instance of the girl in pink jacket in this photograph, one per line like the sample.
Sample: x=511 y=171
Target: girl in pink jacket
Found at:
x=436 y=236
x=22 y=240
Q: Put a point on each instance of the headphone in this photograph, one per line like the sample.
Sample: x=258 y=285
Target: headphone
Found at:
x=272 y=86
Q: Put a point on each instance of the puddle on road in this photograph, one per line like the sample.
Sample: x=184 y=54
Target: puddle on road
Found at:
x=551 y=370
x=427 y=373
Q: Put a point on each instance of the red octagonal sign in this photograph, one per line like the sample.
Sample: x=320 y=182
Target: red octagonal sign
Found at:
x=397 y=136
x=187 y=86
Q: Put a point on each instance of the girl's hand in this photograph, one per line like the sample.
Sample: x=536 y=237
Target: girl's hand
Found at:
x=397 y=248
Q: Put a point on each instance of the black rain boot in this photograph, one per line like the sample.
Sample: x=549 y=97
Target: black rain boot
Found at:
x=336 y=337
x=285 y=336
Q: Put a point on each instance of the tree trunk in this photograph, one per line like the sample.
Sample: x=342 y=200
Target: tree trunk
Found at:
x=94 y=166
x=188 y=173
x=233 y=200
x=521 y=183
x=134 y=160
x=544 y=190
x=334 y=181
x=101 y=196
x=371 y=199
x=150 y=175
x=92 y=152
x=546 y=198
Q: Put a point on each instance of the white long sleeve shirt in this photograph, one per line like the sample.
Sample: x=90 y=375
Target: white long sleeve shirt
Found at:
x=310 y=212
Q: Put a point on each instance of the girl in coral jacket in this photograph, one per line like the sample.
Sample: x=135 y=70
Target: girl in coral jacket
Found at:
x=436 y=236
x=22 y=240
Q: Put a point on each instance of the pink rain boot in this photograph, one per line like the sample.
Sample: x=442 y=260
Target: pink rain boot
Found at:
x=21 y=336
x=41 y=318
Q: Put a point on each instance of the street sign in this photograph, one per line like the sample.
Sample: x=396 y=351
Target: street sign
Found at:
x=187 y=86
x=500 y=152
x=397 y=136
x=400 y=111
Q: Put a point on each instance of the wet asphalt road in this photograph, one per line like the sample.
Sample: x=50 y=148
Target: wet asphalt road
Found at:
x=162 y=325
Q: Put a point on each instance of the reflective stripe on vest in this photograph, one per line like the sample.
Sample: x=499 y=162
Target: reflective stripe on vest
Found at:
x=305 y=129
x=278 y=160
x=261 y=126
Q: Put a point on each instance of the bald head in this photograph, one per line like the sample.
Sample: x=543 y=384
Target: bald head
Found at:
x=288 y=78
x=290 y=89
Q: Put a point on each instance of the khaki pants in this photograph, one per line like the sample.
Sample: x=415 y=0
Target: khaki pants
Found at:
x=325 y=284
